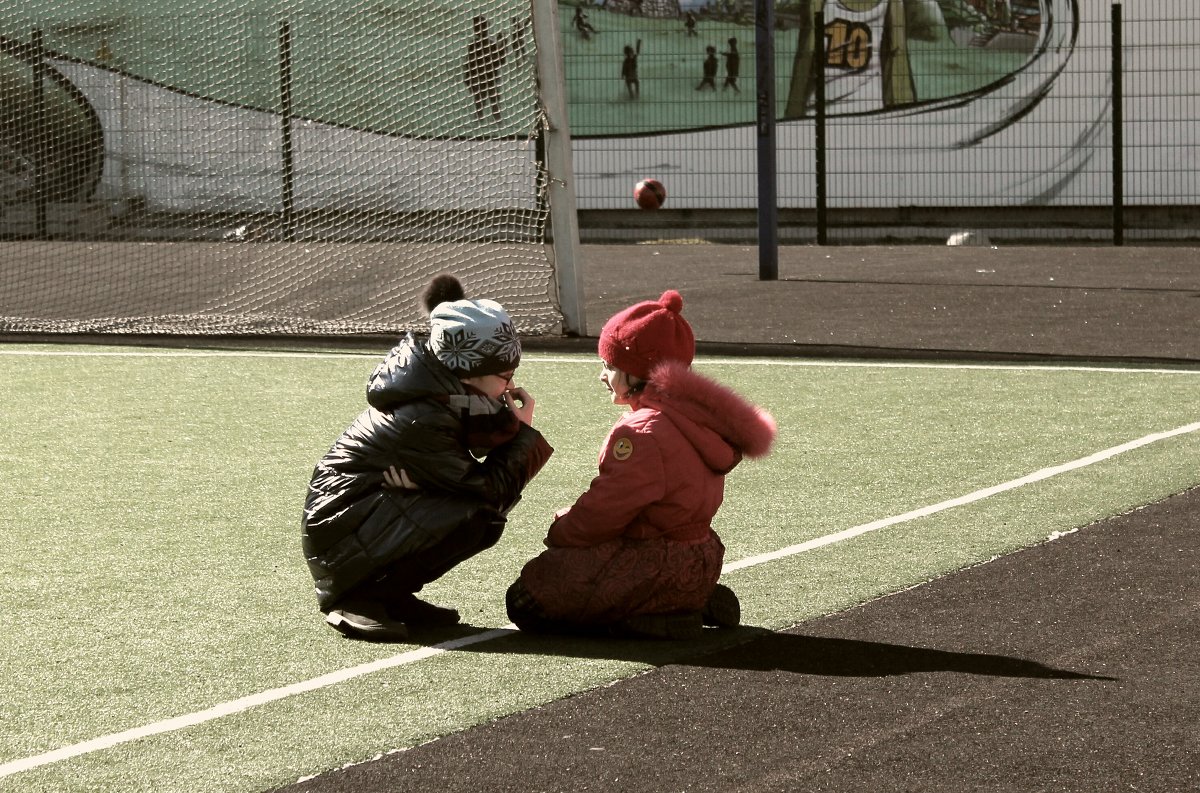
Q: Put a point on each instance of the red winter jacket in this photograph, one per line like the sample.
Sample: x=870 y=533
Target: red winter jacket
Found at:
x=640 y=539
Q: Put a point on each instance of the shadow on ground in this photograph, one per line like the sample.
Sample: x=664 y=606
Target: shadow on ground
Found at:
x=757 y=649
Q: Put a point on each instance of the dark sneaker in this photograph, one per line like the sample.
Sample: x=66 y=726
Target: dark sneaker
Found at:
x=677 y=625
x=363 y=619
x=411 y=609
x=722 y=609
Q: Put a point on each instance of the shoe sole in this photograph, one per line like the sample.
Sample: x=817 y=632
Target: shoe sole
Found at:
x=373 y=632
x=429 y=620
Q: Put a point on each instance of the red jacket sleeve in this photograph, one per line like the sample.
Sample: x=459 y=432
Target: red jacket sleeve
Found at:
x=631 y=477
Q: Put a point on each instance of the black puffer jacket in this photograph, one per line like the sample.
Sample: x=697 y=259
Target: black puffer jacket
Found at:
x=419 y=420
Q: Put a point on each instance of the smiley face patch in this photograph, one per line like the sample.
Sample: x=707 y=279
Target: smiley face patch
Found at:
x=622 y=449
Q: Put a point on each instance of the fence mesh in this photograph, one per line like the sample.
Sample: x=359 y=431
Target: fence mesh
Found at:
x=996 y=112
x=247 y=166
x=302 y=166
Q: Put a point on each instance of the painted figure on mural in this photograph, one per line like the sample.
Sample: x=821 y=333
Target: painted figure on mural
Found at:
x=709 y=73
x=999 y=11
x=581 y=24
x=733 y=65
x=485 y=56
x=629 y=70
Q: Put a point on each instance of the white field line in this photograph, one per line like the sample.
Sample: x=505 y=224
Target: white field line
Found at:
x=343 y=675
x=244 y=703
x=969 y=498
x=591 y=360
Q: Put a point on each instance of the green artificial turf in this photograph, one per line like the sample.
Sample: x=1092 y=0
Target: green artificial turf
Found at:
x=152 y=513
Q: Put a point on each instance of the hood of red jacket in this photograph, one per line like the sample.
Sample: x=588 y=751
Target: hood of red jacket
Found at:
x=720 y=423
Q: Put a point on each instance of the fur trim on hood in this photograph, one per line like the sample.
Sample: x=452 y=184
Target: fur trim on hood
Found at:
x=749 y=429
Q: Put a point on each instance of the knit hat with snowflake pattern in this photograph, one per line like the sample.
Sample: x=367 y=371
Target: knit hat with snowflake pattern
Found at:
x=642 y=336
x=471 y=337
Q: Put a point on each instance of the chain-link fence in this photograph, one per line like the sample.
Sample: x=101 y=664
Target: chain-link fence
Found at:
x=270 y=166
x=1053 y=120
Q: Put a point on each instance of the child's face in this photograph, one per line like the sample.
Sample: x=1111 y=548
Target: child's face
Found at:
x=617 y=383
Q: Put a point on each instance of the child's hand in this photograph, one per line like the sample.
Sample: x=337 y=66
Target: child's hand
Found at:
x=520 y=402
x=399 y=479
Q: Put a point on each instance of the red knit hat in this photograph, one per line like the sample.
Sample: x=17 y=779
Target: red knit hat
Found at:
x=642 y=336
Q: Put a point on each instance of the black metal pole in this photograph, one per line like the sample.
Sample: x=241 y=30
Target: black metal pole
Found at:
x=818 y=70
x=41 y=149
x=1118 y=137
x=768 y=202
x=285 y=109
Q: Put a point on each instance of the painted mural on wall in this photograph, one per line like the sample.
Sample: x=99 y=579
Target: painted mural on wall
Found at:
x=695 y=59
x=971 y=102
x=180 y=102
x=929 y=102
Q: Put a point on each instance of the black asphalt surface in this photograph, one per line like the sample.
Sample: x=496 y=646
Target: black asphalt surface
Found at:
x=1069 y=666
x=1101 y=303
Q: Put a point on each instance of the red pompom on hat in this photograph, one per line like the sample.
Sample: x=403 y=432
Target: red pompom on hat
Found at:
x=644 y=335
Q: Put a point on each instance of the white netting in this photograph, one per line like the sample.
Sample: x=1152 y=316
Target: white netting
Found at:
x=254 y=166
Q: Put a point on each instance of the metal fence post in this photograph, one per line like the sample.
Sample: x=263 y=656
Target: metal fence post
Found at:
x=560 y=169
x=818 y=66
x=768 y=201
x=1118 y=138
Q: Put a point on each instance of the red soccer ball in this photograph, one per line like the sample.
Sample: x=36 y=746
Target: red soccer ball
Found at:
x=649 y=194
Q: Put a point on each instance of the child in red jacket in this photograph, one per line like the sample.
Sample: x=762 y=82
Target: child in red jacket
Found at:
x=636 y=554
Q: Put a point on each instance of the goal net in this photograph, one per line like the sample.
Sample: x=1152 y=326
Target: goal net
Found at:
x=270 y=166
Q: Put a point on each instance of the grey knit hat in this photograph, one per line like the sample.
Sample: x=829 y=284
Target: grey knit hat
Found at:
x=474 y=337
